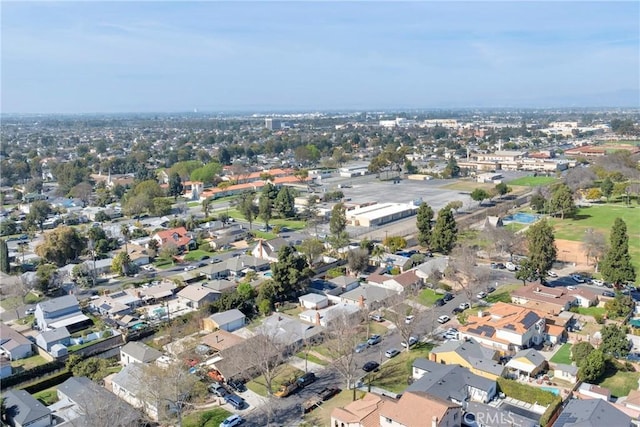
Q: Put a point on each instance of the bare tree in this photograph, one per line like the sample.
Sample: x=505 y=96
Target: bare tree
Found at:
x=99 y=408
x=580 y=178
x=505 y=241
x=398 y=313
x=462 y=269
x=594 y=244
x=358 y=260
x=341 y=342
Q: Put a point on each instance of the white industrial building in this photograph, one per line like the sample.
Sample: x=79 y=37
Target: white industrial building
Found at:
x=379 y=213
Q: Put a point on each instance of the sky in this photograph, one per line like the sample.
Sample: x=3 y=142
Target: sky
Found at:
x=174 y=56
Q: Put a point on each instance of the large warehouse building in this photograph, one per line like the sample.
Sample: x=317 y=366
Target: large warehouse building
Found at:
x=379 y=213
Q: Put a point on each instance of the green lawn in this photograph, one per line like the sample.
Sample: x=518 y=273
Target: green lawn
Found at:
x=322 y=416
x=29 y=362
x=428 y=297
x=312 y=358
x=515 y=226
x=196 y=255
x=289 y=223
x=210 y=418
x=563 y=355
x=601 y=218
x=32 y=298
x=10 y=303
x=47 y=397
x=286 y=373
x=620 y=383
x=533 y=181
x=163 y=263
x=502 y=296
x=589 y=311
x=394 y=374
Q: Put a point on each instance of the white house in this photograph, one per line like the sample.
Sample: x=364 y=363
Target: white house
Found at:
x=229 y=321
x=13 y=344
x=138 y=352
x=313 y=301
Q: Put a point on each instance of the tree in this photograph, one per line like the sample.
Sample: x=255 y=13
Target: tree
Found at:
x=593 y=367
x=538 y=202
x=462 y=269
x=614 y=341
x=502 y=189
x=290 y=273
x=526 y=272
x=593 y=194
x=224 y=157
x=47 y=275
x=343 y=336
x=505 y=240
x=169 y=250
x=445 y=232
x=175 y=185
x=312 y=249
x=542 y=248
x=452 y=170
x=616 y=266
x=454 y=206
x=4 y=257
x=620 y=306
x=479 y=195
x=594 y=245
x=94 y=368
x=247 y=207
x=265 y=209
x=358 y=260
x=310 y=213
x=338 y=221
x=580 y=351
x=394 y=243
x=120 y=263
x=62 y=245
x=284 y=203
x=423 y=224
x=38 y=212
x=607 y=187
x=207 y=174
x=561 y=202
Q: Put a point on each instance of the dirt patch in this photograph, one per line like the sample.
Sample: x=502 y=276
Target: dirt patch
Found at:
x=572 y=253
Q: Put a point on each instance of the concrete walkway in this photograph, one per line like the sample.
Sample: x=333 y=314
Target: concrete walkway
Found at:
x=299 y=363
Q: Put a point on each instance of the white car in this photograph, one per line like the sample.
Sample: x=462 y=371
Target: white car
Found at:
x=481 y=295
x=232 y=421
x=464 y=305
x=443 y=319
x=578 y=278
x=408 y=319
x=190 y=267
x=412 y=341
x=511 y=266
x=552 y=274
x=598 y=282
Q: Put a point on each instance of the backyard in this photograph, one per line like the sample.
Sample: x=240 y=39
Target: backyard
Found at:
x=620 y=382
x=601 y=218
x=428 y=297
x=29 y=362
x=563 y=355
x=394 y=374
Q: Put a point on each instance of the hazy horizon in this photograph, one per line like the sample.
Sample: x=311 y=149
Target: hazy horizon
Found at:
x=172 y=57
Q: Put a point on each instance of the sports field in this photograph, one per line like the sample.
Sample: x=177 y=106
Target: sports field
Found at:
x=601 y=218
x=533 y=181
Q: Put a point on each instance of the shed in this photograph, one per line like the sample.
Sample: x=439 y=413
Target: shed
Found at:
x=313 y=301
x=229 y=321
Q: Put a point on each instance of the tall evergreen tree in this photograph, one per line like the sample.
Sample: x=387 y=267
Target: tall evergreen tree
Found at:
x=290 y=273
x=284 y=203
x=4 y=257
x=445 y=232
x=616 y=266
x=423 y=224
x=562 y=201
x=542 y=248
x=247 y=207
x=265 y=209
x=175 y=185
x=338 y=221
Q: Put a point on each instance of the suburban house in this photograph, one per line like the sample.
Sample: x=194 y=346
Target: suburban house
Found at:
x=491 y=416
x=138 y=352
x=236 y=267
x=451 y=382
x=220 y=285
x=229 y=321
x=408 y=281
x=369 y=296
x=99 y=267
x=591 y=413
x=592 y=391
x=505 y=327
x=567 y=373
x=47 y=339
x=226 y=236
x=126 y=385
x=364 y=412
x=390 y=261
x=313 y=301
x=324 y=316
x=195 y=296
x=180 y=237
x=527 y=363
x=13 y=344
x=117 y=303
x=220 y=340
x=469 y=354
x=585 y=297
x=345 y=283
x=268 y=249
x=58 y=312
x=419 y=409
x=289 y=331
x=22 y=410
x=554 y=300
x=432 y=267
x=80 y=397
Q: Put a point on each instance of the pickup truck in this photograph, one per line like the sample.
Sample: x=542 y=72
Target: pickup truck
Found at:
x=287 y=389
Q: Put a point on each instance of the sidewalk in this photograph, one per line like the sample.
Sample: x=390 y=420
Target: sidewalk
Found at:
x=299 y=363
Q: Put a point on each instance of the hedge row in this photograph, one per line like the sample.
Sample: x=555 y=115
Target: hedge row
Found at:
x=48 y=382
x=526 y=393
x=32 y=373
x=550 y=412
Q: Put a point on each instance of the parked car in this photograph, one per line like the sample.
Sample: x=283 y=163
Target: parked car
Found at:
x=374 y=339
x=481 y=295
x=457 y=310
x=190 y=267
x=29 y=311
x=370 y=366
x=552 y=273
x=237 y=385
x=218 y=390
x=598 y=282
x=236 y=401
x=490 y=289
x=328 y=392
x=306 y=379
x=608 y=294
x=578 y=278
x=450 y=335
x=412 y=341
x=392 y=352
x=439 y=302
x=447 y=297
x=464 y=305
x=232 y=421
x=215 y=260
x=377 y=317
x=409 y=319
x=443 y=319
x=511 y=266
x=360 y=347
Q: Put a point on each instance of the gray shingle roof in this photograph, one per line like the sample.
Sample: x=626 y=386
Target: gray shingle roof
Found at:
x=140 y=351
x=227 y=316
x=591 y=412
x=475 y=354
x=55 y=334
x=24 y=408
x=60 y=303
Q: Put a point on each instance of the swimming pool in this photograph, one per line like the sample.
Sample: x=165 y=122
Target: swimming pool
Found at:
x=268 y=274
x=138 y=325
x=553 y=390
x=522 y=217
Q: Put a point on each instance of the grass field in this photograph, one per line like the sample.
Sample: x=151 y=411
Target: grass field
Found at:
x=285 y=374
x=197 y=255
x=601 y=218
x=47 y=397
x=563 y=355
x=620 y=383
x=589 y=311
x=29 y=362
x=533 y=181
x=468 y=185
x=210 y=418
x=312 y=358
x=428 y=297
x=394 y=374
x=322 y=416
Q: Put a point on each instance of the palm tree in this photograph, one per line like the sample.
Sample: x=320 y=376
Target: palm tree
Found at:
x=126 y=234
x=205 y=206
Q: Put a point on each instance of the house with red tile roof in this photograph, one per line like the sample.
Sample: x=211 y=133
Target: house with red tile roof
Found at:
x=178 y=236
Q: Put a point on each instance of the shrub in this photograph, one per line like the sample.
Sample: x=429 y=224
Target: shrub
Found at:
x=551 y=410
x=524 y=392
x=599 y=318
x=444 y=286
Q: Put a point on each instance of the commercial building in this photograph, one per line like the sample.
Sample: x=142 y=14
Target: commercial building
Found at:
x=379 y=214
